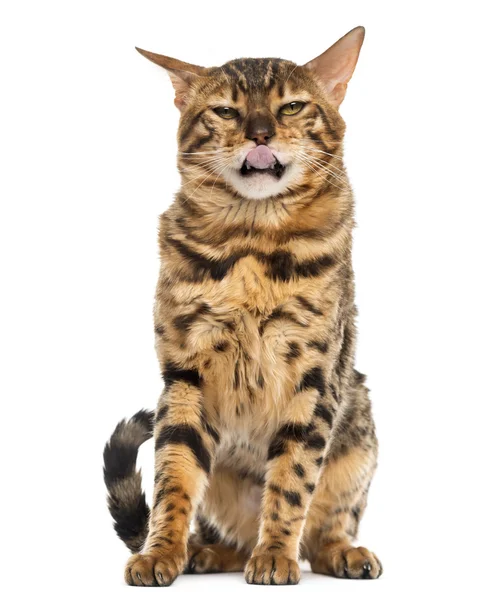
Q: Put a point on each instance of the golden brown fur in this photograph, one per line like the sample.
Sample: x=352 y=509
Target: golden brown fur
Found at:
x=263 y=432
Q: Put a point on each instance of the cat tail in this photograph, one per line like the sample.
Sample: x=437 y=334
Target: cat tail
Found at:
x=126 y=500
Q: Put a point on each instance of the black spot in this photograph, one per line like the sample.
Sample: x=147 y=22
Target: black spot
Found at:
x=293 y=352
x=308 y=305
x=173 y=373
x=291 y=431
x=202 y=266
x=170 y=506
x=315 y=442
x=323 y=412
x=318 y=461
x=189 y=436
x=280 y=265
x=310 y=487
x=221 y=346
x=275 y=488
x=159 y=497
x=162 y=412
x=275 y=516
x=323 y=347
x=312 y=268
x=299 y=470
x=293 y=498
x=313 y=379
x=286 y=532
x=184 y=322
x=276 y=448
x=278 y=314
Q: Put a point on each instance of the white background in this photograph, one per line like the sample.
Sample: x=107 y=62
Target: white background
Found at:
x=87 y=164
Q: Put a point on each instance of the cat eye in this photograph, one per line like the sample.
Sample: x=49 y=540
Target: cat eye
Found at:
x=225 y=112
x=292 y=108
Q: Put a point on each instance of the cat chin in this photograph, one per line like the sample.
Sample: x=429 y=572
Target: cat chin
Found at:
x=261 y=186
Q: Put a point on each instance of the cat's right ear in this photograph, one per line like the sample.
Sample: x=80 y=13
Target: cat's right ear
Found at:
x=182 y=74
x=335 y=67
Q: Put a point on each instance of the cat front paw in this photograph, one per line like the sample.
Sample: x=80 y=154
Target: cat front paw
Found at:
x=349 y=562
x=271 y=569
x=150 y=569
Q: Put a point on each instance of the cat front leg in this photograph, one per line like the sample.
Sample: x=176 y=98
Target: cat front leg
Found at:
x=294 y=462
x=184 y=452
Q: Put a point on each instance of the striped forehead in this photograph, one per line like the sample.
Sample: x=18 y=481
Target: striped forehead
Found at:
x=255 y=76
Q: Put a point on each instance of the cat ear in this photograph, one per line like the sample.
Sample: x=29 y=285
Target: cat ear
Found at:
x=182 y=74
x=334 y=68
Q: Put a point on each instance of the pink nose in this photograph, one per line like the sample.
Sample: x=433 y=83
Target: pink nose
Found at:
x=261 y=157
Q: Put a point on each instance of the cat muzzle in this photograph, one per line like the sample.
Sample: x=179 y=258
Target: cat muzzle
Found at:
x=262 y=160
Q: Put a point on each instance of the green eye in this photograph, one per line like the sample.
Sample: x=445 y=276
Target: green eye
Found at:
x=292 y=108
x=225 y=112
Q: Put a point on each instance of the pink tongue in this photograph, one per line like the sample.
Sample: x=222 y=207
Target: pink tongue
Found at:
x=261 y=157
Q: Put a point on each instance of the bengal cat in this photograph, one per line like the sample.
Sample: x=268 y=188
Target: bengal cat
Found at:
x=263 y=433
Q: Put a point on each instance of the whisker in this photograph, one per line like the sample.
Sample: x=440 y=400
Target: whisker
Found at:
x=205 y=163
x=209 y=171
x=317 y=172
x=218 y=151
x=305 y=139
x=322 y=152
x=222 y=170
x=322 y=162
x=223 y=163
x=332 y=173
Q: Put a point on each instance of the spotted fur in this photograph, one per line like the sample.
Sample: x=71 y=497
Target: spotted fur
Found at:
x=263 y=433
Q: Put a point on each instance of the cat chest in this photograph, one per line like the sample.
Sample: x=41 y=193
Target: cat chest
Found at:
x=252 y=363
x=252 y=335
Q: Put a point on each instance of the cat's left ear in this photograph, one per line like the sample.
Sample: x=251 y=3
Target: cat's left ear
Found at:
x=182 y=74
x=334 y=68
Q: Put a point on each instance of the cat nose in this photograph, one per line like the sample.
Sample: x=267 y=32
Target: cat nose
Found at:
x=260 y=127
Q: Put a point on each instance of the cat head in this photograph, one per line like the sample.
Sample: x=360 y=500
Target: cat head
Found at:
x=262 y=128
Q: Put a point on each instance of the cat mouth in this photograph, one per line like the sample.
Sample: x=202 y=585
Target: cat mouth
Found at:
x=262 y=160
x=275 y=170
